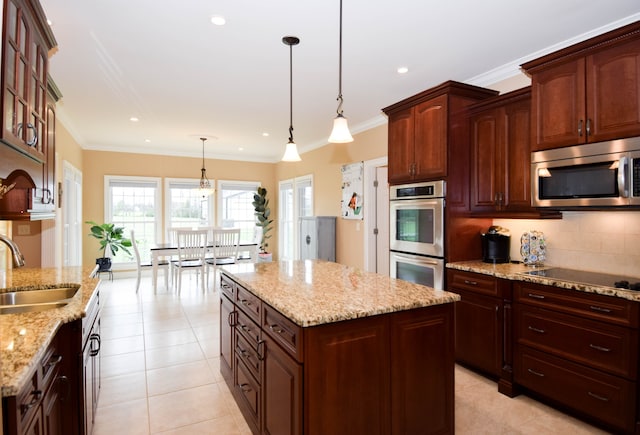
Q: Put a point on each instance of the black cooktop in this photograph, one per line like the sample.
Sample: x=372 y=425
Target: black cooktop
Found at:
x=593 y=278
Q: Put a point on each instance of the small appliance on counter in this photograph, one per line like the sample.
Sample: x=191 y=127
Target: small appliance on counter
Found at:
x=533 y=248
x=496 y=244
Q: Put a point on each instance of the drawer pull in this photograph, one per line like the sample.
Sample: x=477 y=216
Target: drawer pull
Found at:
x=600 y=309
x=597 y=396
x=535 y=296
x=466 y=281
x=261 y=345
x=232 y=319
x=245 y=328
x=55 y=359
x=37 y=395
x=538 y=330
x=600 y=348
x=533 y=372
x=245 y=388
x=276 y=329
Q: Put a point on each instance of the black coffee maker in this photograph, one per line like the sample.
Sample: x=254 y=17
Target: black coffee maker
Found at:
x=496 y=244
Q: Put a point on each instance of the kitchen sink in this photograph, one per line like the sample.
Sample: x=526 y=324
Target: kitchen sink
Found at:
x=28 y=300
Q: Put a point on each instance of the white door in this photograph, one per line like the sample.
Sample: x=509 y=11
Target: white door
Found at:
x=382 y=221
x=72 y=215
x=376 y=222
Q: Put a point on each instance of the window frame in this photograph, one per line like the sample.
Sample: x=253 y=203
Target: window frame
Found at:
x=220 y=209
x=295 y=186
x=193 y=183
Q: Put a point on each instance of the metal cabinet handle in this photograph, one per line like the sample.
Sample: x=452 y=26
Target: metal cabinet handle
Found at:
x=538 y=330
x=245 y=302
x=95 y=338
x=588 y=126
x=275 y=329
x=67 y=390
x=533 y=372
x=466 y=281
x=600 y=309
x=245 y=388
x=232 y=319
x=600 y=348
x=261 y=350
x=37 y=395
x=55 y=359
x=597 y=396
x=535 y=296
x=580 y=128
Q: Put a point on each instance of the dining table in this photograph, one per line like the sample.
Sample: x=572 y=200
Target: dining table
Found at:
x=160 y=250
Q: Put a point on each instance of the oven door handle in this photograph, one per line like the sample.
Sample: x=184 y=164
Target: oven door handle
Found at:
x=415 y=259
x=623 y=185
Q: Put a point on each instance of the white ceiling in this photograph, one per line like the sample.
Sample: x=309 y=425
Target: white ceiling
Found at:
x=165 y=63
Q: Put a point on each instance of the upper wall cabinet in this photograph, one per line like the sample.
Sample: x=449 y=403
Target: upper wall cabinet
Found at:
x=422 y=129
x=27 y=40
x=589 y=92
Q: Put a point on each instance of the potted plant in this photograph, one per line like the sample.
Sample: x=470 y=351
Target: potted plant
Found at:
x=263 y=213
x=111 y=238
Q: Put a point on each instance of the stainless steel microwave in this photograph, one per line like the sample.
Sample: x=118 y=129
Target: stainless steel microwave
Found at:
x=603 y=174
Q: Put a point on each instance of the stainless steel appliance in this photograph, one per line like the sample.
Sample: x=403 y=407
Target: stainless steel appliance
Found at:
x=416 y=229
x=604 y=174
x=584 y=277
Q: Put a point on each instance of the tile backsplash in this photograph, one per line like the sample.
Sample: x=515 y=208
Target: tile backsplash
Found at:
x=602 y=241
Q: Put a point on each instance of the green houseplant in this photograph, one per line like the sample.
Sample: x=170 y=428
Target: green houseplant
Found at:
x=263 y=214
x=111 y=238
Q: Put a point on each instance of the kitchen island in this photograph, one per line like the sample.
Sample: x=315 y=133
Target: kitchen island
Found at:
x=316 y=347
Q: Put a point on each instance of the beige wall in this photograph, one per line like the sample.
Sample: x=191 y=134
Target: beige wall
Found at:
x=97 y=164
x=324 y=164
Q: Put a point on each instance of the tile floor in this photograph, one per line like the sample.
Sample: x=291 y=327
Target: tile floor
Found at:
x=160 y=373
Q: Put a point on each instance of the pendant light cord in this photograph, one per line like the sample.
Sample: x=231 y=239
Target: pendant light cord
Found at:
x=291 y=93
x=339 y=99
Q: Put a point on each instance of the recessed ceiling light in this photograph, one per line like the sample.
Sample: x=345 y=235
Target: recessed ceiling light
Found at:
x=147 y=140
x=240 y=149
x=134 y=119
x=403 y=70
x=265 y=134
x=218 y=20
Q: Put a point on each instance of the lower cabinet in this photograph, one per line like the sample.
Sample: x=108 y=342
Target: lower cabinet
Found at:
x=579 y=351
x=91 y=363
x=385 y=374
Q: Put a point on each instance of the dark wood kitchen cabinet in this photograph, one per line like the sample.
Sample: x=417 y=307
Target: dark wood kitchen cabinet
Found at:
x=580 y=351
x=47 y=404
x=287 y=379
x=91 y=363
x=483 y=325
x=588 y=92
x=425 y=129
x=500 y=154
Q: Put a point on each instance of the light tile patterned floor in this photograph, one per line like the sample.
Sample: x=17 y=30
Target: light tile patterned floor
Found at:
x=160 y=373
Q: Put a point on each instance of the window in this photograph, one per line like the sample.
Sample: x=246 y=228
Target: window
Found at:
x=134 y=203
x=296 y=200
x=235 y=208
x=185 y=206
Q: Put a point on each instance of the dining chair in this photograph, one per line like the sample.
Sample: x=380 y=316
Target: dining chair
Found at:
x=162 y=264
x=192 y=247
x=224 y=243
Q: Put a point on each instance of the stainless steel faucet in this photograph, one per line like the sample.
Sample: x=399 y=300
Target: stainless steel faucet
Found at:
x=18 y=258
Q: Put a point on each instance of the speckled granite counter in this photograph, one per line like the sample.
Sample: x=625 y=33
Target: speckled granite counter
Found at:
x=317 y=292
x=516 y=272
x=24 y=337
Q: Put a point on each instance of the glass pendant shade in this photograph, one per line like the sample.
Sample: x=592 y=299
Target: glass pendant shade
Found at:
x=340 y=132
x=291 y=153
x=205 y=188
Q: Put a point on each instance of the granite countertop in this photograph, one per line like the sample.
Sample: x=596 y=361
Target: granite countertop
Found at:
x=24 y=337
x=516 y=272
x=314 y=292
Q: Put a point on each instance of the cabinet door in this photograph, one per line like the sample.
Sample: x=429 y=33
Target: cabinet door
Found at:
x=515 y=158
x=422 y=371
x=400 y=146
x=430 y=142
x=558 y=107
x=52 y=407
x=282 y=392
x=485 y=136
x=227 y=320
x=613 y=92
x=477 y=332
x=87 y=380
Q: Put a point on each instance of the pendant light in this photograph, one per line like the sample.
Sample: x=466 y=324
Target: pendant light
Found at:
x=340 y=132
x=205 y=185
x=291 y=151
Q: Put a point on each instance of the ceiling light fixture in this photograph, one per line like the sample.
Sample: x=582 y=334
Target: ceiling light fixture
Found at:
x=205 y=185
x=218 y=20
x=340 y=132
x=291 y=151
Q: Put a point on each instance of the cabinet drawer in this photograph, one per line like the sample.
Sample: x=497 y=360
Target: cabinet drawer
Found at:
x=228 y=287
x=248 y=302
x=595 y=394
x=606 y=308
x=29 y=399
x=596 y=344
x=249 y=393
x=49 y=365
x=249 y=355
x=283 y=331
x=248 y=328
x=473 y=282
